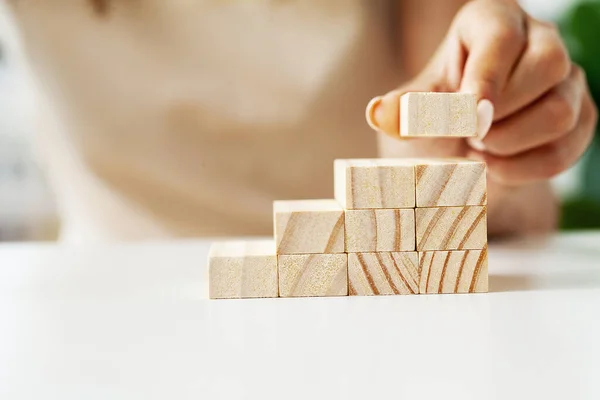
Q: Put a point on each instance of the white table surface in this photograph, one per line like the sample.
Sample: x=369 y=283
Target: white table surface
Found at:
x=133 y=322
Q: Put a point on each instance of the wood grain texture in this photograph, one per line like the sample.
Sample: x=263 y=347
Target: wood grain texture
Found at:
x=453 y=271
x=380 y=230
x=374 y=183
x=438 y=114
x=450 y=182
x=242 y=269
x=313 y=275
x=451 y=228
x=308 y=226
x=383 y=273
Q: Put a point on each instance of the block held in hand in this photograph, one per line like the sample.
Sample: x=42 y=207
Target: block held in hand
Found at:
x=429 y=114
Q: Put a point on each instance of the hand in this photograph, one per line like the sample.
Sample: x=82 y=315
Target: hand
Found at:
x=535 y=113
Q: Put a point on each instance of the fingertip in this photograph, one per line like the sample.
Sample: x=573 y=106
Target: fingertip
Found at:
x=476 y=144
x=371 y=111
x=485 y=118
x=388 y=113
x=382 y=113
x=379 y=113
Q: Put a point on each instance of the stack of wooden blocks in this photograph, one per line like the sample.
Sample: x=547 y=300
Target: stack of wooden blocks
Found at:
x=396 y=226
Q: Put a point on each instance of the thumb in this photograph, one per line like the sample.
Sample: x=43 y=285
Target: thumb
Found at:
x=383 y=113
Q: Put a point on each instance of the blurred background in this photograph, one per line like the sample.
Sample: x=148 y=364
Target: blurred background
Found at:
x=26 y=205
x=27 y=210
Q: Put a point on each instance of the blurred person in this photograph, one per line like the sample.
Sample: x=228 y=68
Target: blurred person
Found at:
x=188 y=118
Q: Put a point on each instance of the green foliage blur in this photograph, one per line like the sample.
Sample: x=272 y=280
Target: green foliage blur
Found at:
x=580 y=27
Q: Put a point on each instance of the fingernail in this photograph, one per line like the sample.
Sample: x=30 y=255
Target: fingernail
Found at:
x=476 y=144
x=485 y=117
x=373 y=112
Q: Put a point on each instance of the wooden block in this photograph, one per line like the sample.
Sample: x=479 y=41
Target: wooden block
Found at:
x=242 y=269
x=375 y=183
x=380 y=230
x=453 y=271
x=308 y=226
x=438 y=114
x=450 y=182
x=451 y=228
x=383 y=273
x=311 y=275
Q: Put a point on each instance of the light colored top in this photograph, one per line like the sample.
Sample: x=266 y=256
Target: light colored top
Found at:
x=133 y=322
x=190 y=117
x=445 y=161
x=376 y=162
x=401 y=162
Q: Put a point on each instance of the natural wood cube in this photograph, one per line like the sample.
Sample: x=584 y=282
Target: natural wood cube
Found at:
x=383 y=273
x=380 y=230
x=453 y=271
x=242 y=269
x=451 y=228
x=450 y=182
x=375 y=183
x=313 y=275
x=438 y=114
x=308 y=226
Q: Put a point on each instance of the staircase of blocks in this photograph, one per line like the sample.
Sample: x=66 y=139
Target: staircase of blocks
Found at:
x=403 y=226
